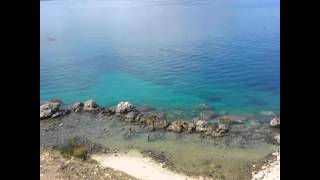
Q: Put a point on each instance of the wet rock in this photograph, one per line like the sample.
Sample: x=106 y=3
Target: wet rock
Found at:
x=217 y=133
x=124 y=107
x=130 y=117
x=175 y=126
x=201 y=125
x=55 y=101
x=207 y=115
x=155 y=122
x=146 y=108
x=223 y=127
x=90 y=105
x=202 y=107
x=268 y=113
x=48 y=109
x=77 y=107
x=111 y=110
x=191 y=127
x=275 y=122
x=210 y=129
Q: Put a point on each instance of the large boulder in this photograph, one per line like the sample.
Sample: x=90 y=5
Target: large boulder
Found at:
x=90 y=105
x=77 y=107
x=48 y=109
x=123 y=108
x=275 y=122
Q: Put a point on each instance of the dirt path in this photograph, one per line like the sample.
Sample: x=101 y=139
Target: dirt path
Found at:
x=134 y=164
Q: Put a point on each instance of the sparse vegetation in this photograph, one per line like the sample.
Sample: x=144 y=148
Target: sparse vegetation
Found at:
x=75 y=149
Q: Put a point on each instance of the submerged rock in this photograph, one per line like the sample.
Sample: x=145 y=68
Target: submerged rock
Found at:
x=268 y=113
x=275 y=122
x=90 y=105
x=146 y=108
x=202 y=107
x=232 y=119
x=207 y=115
x=124 y=107
x=77 y=107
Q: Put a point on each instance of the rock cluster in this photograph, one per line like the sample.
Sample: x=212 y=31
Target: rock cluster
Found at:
x=52 y=109
x=149 y=119
x=201 y=126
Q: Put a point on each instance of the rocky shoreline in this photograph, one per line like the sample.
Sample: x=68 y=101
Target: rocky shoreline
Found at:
x=127 y=112
x=60 y=123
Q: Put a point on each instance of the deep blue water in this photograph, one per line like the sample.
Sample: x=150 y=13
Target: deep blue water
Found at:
x=164 y=53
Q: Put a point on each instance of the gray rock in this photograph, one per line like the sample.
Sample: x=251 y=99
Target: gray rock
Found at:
x=130 y=117
x=138 y=117
x=47 y=109
x=191 y=127
x=77 y=107
x=275 y=122
x=201 y=125
x=175 y=126
x=90 y=105
x=210 y=129
x=124 y=107
x=223 y=127
x=45 y=114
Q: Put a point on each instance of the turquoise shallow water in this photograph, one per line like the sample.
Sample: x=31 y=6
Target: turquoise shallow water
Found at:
x=167 y=54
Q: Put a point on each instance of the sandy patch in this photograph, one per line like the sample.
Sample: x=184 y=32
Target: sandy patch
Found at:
x=134 y=164
x=270 y=171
